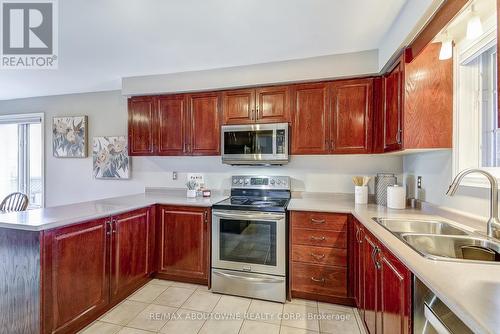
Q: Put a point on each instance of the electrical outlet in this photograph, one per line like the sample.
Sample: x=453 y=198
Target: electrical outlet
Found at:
x=174 y=176
x=419 y=182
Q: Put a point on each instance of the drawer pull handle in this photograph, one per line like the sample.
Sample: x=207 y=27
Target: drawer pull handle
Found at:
x=318 y=280
x=318 y=256
x=318 y=238
x=317 y=221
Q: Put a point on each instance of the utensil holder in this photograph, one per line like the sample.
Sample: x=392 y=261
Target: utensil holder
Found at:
x=361 y=194
x=191 y=193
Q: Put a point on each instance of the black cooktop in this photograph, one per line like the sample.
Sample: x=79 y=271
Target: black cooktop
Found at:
x=267 y=204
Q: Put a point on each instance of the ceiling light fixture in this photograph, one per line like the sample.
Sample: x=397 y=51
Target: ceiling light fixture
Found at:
x=474 y=25
x=446 y=51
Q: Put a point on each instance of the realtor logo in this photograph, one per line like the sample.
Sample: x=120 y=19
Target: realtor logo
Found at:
x=29 y=34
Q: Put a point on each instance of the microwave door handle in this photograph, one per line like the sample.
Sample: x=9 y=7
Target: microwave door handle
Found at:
x=249 y=216
x=274 y=142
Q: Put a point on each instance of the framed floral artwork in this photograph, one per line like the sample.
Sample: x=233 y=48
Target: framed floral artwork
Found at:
x=69 y=137
x=110 y=157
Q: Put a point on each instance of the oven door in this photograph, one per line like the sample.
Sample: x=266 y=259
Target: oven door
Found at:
x=249 y=241
x=255 y=144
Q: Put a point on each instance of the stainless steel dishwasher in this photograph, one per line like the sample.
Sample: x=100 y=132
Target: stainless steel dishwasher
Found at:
x=431 y=315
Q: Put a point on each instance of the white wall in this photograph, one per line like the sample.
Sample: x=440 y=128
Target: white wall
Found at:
x=70 y=180
x=324 y=67
x=411 y=19
x=436 y=171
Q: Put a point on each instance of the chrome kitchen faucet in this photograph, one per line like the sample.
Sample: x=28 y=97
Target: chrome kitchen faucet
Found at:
x=493 y=228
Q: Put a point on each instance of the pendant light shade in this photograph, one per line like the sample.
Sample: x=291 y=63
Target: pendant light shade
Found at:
x=474 y=25
x=446 y=51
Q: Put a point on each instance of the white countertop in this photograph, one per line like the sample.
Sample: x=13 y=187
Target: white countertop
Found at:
x=58 y=216
x=470 y=290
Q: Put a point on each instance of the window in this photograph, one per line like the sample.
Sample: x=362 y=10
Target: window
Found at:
x=490 y=132
x=476 y=124
x=22 y=152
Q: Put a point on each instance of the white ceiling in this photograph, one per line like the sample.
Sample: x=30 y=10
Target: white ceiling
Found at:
x=102 y=41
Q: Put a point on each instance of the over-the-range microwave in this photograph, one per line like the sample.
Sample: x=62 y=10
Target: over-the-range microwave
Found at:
x=255 y=144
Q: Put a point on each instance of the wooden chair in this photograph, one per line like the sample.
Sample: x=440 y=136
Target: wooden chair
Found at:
x=14 y=202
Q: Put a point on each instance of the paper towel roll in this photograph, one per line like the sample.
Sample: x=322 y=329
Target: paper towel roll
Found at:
x=396 y=197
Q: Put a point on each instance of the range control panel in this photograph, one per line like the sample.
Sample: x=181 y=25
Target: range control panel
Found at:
x=260 y=182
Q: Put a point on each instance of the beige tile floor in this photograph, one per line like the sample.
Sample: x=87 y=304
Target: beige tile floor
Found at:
x=172 y=307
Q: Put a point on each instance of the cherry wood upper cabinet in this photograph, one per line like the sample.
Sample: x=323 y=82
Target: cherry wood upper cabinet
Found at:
x=171 y=120
x=183 y=243
x=351 y=125
x=261 y=105
x=310 y=133
x=428 y=101
x=239 y=106
x=272 y=104
x=75 y=269
x=182 y=124
x=141 y=125
x=393 y=83
x=203 y=125
x=417 y=103
x=131 y=251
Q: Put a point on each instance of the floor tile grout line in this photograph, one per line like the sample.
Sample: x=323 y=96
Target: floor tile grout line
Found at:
x=192 y=293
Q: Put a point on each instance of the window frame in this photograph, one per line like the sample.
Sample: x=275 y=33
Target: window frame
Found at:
x=465 y=51
x=23 y=159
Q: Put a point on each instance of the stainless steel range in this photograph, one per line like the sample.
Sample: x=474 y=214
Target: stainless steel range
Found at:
x=249 y=238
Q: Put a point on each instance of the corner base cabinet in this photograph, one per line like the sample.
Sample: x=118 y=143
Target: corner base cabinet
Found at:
x=91 y=266
x=183 y=243
x=382 y=285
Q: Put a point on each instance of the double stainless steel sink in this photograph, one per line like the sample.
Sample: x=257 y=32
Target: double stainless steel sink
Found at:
x=439 y=240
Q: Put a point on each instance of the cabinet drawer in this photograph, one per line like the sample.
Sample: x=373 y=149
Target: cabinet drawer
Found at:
x=319 y=238
x=320 y=255
x=319 y=220
x=325 y=280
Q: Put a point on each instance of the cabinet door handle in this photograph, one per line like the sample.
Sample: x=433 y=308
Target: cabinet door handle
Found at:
x=317 y=221
x=327 y=144
x=108 y=227
x=257 y=115
x=332 y=145
x=318 y=238
x=318 y=256
x=252 y=115
x=113 y=226
x=375 y=252
x=317 y=280
x=398 y=136
x=357 y=234
x=205 y=217
x=373 y=255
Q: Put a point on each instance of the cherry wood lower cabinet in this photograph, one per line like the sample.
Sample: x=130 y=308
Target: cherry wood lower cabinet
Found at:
x=382 y=286
x=319 y=257
x=132 y=247
x=184 y=243
x=89 y=267
x=75 y=269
